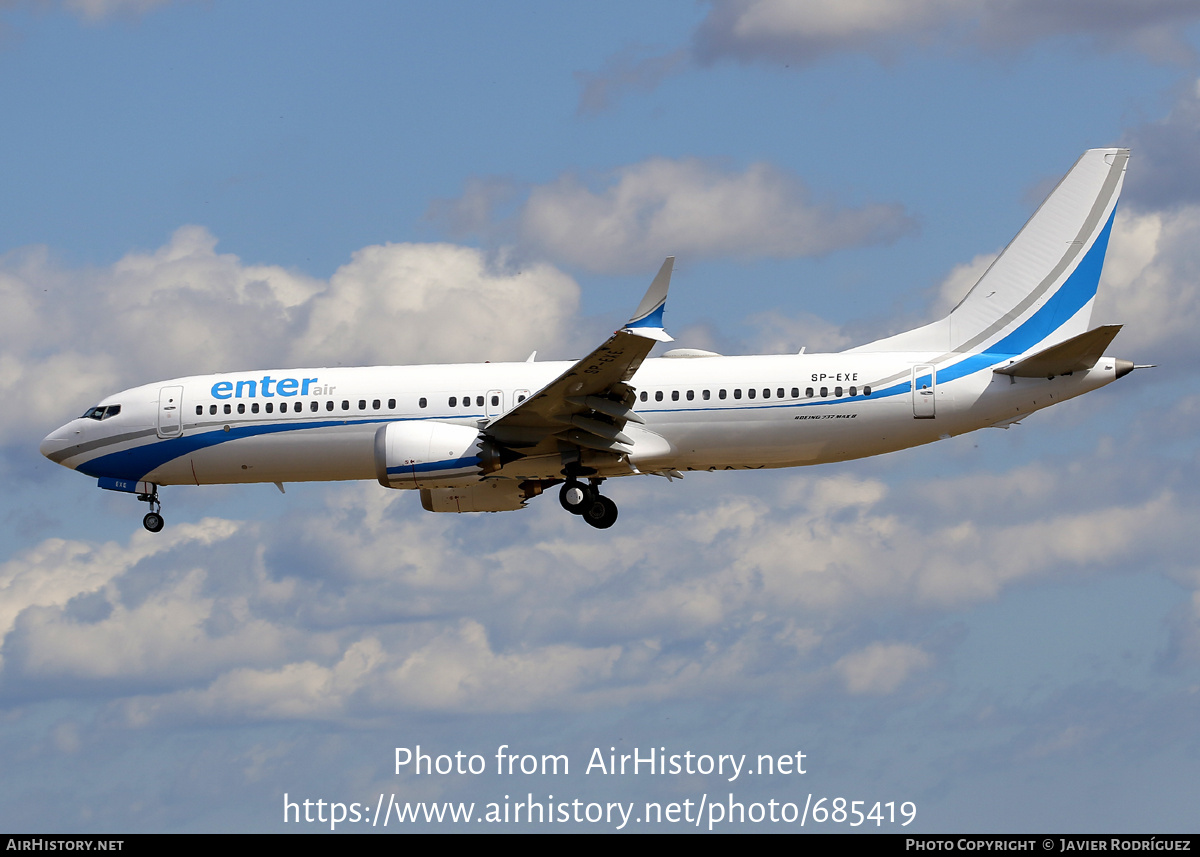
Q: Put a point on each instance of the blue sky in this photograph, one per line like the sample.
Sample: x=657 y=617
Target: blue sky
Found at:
x=1003 y=628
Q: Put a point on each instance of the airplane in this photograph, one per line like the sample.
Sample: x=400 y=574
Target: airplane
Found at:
x=489 y=437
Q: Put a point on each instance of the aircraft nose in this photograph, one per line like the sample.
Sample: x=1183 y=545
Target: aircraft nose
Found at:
x=54 y=442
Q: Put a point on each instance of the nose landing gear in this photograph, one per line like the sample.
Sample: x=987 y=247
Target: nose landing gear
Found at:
x=587 y=502
x=153 y=521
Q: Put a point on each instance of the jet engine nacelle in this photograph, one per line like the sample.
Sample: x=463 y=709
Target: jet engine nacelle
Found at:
x=426 y=454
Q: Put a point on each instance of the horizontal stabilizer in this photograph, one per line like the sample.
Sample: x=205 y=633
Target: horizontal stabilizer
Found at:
x=1077 y=354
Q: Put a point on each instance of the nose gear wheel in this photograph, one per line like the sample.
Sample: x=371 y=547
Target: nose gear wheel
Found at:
x=153 y=521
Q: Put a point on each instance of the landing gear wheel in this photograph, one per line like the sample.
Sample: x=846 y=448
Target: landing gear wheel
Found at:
x=575 y=497
x=601 y=513
x=153 y=522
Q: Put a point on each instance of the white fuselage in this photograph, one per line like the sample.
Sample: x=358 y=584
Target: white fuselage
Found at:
x=701 y=413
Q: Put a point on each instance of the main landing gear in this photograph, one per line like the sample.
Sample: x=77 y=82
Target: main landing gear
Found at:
x=586 y=501
x=154 y=519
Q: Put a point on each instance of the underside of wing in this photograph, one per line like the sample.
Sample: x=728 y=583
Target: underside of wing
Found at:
x=578 y=422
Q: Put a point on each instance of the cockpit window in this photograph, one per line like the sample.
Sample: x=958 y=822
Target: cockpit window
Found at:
x=102 y=412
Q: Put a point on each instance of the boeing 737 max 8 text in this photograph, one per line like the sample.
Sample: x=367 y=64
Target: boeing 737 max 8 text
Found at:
x=489 y=437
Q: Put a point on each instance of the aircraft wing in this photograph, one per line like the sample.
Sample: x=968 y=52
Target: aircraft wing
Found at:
x=588 y=405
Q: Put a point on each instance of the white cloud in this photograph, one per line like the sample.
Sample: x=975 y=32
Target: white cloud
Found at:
x=1151 y=284
x=57 y=570
x=782 y=31
x=958 y=282
x=73 y=336
x=1163 y=172
x=784 y=334
x=802 y=32
x=96 y=10
x=880 y=668
x=431 y=303
x=166 y=638
x=449 y=669
x=1151 y=27
x=632 y=69
x=77 y=335
x=630 y=219
x=370 y=606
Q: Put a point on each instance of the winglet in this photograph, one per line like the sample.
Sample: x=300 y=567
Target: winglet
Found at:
x=647 y=321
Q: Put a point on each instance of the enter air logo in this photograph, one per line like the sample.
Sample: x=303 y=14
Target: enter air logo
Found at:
x=269 y=387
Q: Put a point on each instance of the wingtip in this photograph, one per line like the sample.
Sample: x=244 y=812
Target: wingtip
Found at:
x=649 y=313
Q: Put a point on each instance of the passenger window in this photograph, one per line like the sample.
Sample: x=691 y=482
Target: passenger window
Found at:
x=837 y=391
x=329 y=405
x=228 y=409
x=867 y=390
x=691 y=394
x=721 y=394
x=645 y=395
x=199 y=410
x=315 y=406
x=391 y=404
x=270 y=407
x=808 y=391
x=737 y=393
x=345 y=405
x=796 y=393
x=212 y=409
x=779 y=393
x=479 y=401
x=495 y=401
x=521 y=398
x=854 y=391
x=423 y=402
x=824 y=392
x=241 y=407
x=298 y=407
x=658 y=396
x=750 y=393
x=674 y=395
x=376 y=404
x=254 y=408
x=704 y=395
x=362 y=404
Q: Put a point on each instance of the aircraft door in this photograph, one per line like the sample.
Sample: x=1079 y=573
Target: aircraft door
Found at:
x=494 y=405
x=924 y=391
x=170 y=412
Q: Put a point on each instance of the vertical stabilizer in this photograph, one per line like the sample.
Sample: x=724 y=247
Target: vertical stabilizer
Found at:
x=1041 y=288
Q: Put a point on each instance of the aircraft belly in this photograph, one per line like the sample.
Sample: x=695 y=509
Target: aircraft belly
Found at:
x=310 y=455
x=788 y=437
